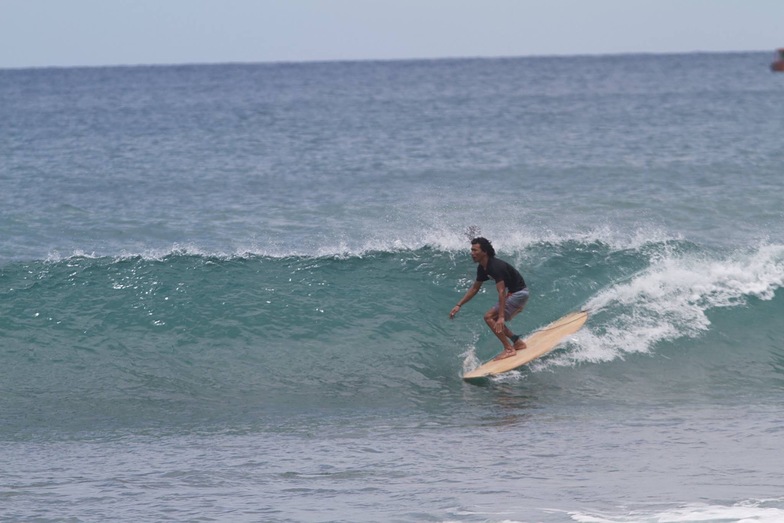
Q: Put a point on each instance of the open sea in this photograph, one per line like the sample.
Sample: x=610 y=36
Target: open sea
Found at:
x=225 y=289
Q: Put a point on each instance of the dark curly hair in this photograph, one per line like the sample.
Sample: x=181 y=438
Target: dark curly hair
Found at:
x=485 y=245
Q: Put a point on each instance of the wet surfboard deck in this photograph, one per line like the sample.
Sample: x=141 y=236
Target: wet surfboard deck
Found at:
x=538 y=344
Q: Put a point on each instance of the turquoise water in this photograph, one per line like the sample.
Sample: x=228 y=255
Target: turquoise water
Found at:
x=225 y=290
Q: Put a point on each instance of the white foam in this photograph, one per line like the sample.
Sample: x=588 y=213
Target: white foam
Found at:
x=752 y=511
x=421 y=231
x=670 y=298
x=470 y=361
x=57 y=256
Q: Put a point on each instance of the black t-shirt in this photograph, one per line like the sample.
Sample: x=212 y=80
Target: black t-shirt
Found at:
x=500 y=270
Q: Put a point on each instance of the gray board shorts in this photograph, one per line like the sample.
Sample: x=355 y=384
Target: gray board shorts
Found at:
x=515 y=303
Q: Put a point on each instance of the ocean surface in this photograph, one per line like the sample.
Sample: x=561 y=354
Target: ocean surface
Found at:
x=225 y=289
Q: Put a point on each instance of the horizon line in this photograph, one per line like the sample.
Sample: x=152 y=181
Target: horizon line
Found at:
x=372 y=60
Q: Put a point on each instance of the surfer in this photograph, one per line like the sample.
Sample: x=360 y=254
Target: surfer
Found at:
x=512 y=294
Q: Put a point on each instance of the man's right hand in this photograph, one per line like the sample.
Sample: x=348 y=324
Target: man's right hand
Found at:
x=454 y=311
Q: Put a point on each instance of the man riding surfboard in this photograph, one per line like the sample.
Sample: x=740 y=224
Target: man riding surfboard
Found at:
x=512 y=294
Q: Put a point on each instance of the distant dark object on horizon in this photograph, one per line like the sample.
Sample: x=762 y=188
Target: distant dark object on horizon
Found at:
x=778 y=65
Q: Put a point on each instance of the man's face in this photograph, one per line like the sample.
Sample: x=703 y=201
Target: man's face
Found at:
x=476 y=252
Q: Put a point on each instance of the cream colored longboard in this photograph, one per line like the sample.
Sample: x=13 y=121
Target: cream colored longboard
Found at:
x=538 y=344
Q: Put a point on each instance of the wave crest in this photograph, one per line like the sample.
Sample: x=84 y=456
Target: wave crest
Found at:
x=671 y=298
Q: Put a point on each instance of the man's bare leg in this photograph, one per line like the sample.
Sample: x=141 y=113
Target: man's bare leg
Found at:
x=491 y=317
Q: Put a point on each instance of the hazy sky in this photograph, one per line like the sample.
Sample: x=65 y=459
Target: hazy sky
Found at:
x=36 y=33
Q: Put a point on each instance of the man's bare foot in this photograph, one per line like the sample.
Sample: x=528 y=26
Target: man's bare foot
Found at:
x=508 y=353
x=520 y=345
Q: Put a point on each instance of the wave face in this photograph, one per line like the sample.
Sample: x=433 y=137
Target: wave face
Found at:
x=193 y=338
